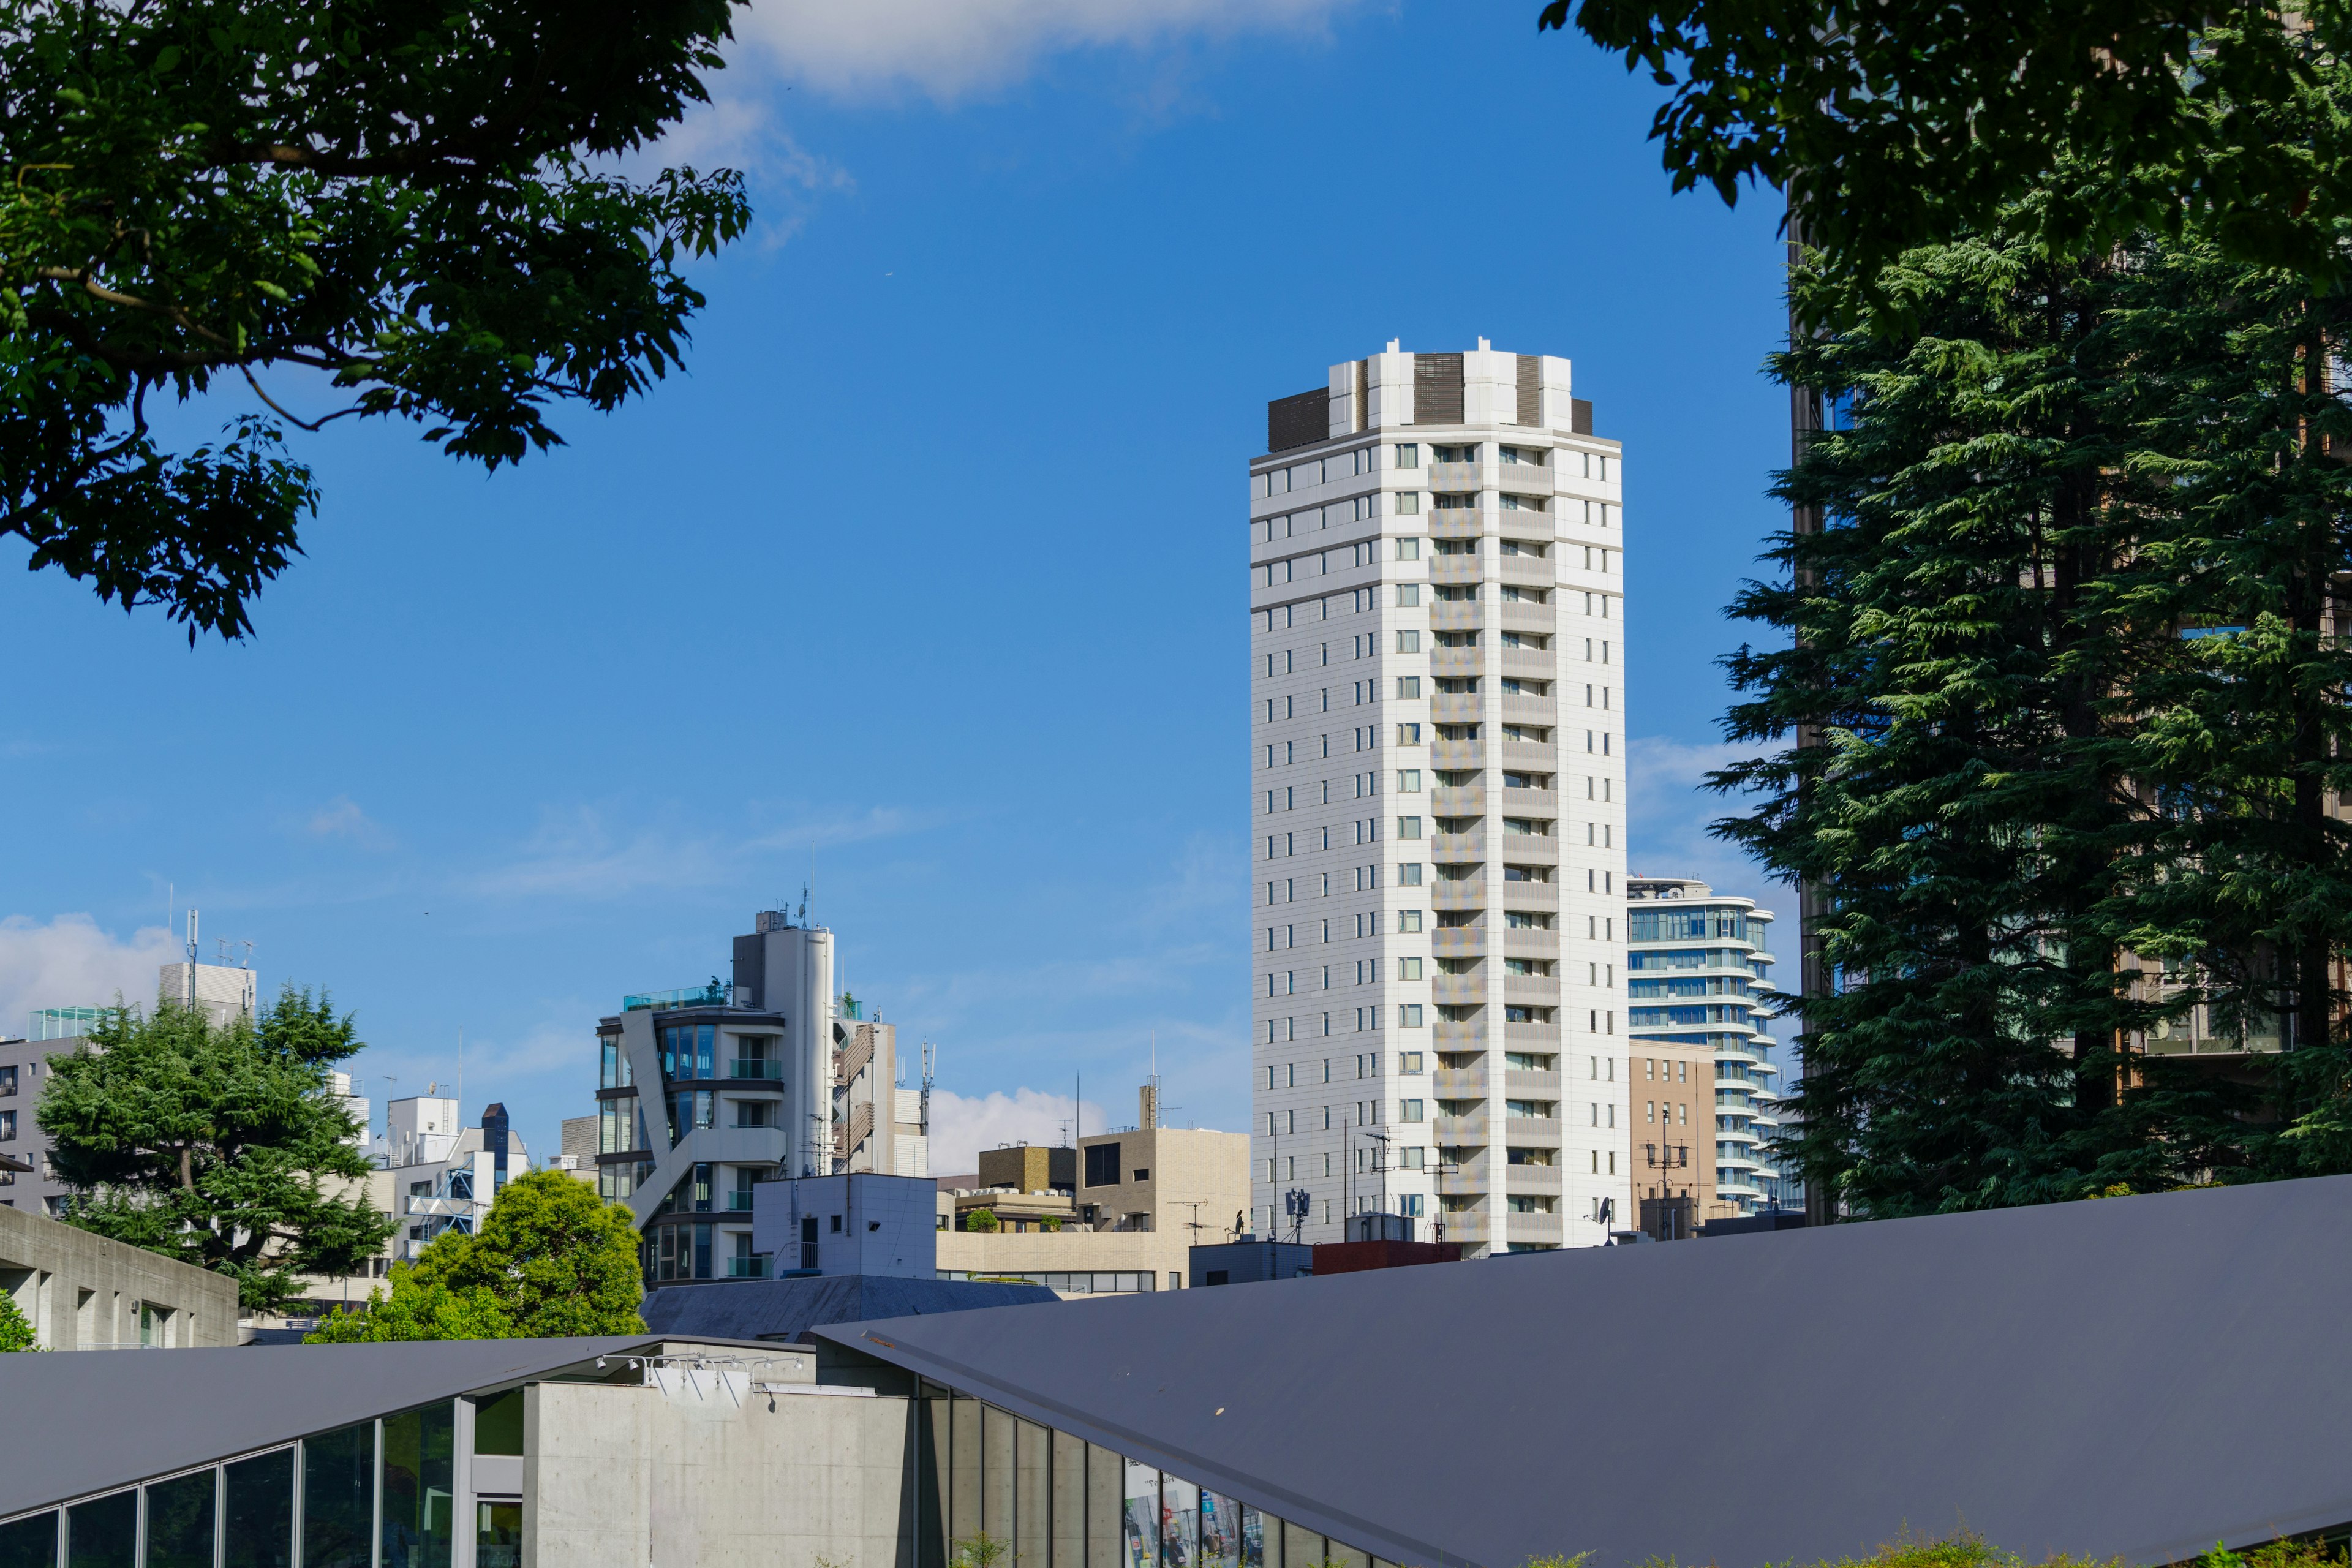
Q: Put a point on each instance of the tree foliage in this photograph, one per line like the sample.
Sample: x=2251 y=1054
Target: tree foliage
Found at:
x=2067 y=639
x=220 y=1145
x=551 y=1261
x=1905 y=122
x=16 y=1329
x=355 y=207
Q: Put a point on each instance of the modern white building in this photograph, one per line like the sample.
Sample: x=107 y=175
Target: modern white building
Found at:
x=435 y=1175
x=1437 y=787
x=705 y=1092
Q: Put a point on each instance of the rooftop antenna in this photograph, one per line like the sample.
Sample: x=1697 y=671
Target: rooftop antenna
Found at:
x=248 y=953
x=931 y=1072
x=192 y=942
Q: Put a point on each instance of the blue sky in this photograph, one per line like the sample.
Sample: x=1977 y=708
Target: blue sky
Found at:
x=933 y=563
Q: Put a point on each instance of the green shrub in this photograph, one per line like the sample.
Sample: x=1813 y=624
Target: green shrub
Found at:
x=16 y=1329
x=981 y=1219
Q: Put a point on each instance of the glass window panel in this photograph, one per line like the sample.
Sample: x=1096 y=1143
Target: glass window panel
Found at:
x=1346 y=1556
x=1299 y=1547
x=258 y=1517
x=498 y=1424
x=103 y=1532
x=1033 y=1513
x=1261 y=1540
x=497 y=1535
x=30 y=1543
x=1142 y=1496
x=1180 y=1523
x=963 y=1476
x=1105 y=1508
x=996 y=1473
x=419 y=1531
x=1069 y=1501
x=1221 y=1532
x=180 y=1520
x=339 y=1497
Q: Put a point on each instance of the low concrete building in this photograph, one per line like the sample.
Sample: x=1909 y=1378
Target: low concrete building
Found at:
x=1117 y=1214
x=84 y=1292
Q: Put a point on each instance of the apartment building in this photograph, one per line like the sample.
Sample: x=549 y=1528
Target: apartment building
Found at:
x=706 y=1092
x=1701 y=1081
x=1437 y=769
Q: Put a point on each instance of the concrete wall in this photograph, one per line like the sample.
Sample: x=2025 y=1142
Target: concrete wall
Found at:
x=84 y=1292
x=620 y=1477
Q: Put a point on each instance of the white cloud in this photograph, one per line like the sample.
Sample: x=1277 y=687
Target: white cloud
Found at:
x=70 y=962
x=952 y=49
x=963 y=1125
x=342 y=818
x=1670 y=807
x=575 y=853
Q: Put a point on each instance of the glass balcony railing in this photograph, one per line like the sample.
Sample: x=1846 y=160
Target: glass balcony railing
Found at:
x=739 y=1201
x=752 y=1268
x=747 y=1067
x=712 y=995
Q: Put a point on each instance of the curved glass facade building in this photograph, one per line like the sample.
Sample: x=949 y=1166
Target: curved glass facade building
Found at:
x=1704 y=1085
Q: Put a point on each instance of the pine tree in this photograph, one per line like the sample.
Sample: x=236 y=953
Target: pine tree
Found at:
x=220 y=1145
x=2068 y=636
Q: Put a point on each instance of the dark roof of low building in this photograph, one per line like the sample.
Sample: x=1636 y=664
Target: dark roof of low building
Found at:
x=2134 y=1377
x=788 y=1308
x=92 y=1420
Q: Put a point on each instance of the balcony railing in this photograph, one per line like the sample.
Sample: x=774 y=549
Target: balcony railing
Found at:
x=712 y=995
x=752 y=1268
x=739 y=1201
x=747 y=1067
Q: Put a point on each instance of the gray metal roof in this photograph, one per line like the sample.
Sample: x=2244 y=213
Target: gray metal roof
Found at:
x=786 y=1309
x=83 y=1421
x=2133 y=1377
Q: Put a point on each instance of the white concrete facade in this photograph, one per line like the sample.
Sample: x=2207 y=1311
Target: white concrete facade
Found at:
x=1437 y=788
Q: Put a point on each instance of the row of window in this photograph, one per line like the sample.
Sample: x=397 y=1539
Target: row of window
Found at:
x=1571 y=463
x=374 y=1491
x=1410 y=1016
x=1298 y=568
x=1308 y=611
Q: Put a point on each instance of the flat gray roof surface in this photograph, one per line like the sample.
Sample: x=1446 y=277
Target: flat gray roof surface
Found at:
x=2134 y=1377
x=83 y=1421
x=785 y=1309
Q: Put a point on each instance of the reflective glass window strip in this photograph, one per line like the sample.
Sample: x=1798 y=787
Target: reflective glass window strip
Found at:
x=104 y=1532
x=180 y=1516
x=1180 y=1522
x=1033 y=1506
x=257 y=1511
x=1221 y=1532
x=1106 y=1509
x=1261 y=1540
x=1299 y=1546
x=419 y=1530
x=339 y=1497
x=1141 y=1494
x=702 y=1051
x=30 y=1542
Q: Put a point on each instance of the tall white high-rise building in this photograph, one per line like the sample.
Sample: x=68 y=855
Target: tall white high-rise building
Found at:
x=1437 y=773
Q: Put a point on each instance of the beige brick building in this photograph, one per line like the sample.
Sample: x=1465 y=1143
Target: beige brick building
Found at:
x=1128 y=1205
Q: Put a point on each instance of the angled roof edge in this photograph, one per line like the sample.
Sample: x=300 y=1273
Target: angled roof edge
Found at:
x=209 y=1405
x=1289 y=1507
